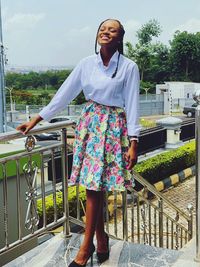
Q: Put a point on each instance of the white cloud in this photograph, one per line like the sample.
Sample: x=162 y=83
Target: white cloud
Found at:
x=77 y=32
x=19 y=35
x=23 y=21
x=131 y=25
x=80 y=40
x=192 y=25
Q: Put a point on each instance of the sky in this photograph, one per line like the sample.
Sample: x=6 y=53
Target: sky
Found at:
x=61 y=32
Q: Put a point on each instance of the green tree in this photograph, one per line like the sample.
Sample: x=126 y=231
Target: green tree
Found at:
x=21 y=97
x=142 y=52
x=44 y=97
x=34 y=80
x=147 y=87
x=149 y=30
x=185 y=55
x=159 y=69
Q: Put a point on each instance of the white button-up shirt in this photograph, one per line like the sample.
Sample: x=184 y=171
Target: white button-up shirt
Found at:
x=95 y=79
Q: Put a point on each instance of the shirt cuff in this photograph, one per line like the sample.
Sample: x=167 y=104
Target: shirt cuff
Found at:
x=133 y=131
x=45 y=115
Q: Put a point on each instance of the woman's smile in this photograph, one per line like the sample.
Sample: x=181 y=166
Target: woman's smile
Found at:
x=105 y=37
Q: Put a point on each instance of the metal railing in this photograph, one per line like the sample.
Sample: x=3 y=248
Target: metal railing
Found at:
x=197 y=137
x=144 y=217
x=148 y=217
x=21 y=175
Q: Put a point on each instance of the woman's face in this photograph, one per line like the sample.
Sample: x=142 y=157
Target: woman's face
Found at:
x=109 y=34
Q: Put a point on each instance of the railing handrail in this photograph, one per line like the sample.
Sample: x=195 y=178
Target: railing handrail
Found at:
x=152 y=189
x=37 y=130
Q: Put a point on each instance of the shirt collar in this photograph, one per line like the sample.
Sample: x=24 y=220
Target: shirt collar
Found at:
x=113 y=58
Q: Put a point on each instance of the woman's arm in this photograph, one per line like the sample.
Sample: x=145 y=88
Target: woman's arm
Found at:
x=132 y=112
x=66 y=93
x=131 y=155
x=27 y=126
x=131 y=98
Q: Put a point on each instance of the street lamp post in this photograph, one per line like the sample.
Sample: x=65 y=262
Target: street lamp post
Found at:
x=146 y=91
x=3 y=124
x=196 y=97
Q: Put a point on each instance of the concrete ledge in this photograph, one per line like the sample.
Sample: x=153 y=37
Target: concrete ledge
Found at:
x=175 y=179
x=187 y=258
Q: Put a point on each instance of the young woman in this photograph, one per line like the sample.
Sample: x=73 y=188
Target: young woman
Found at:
x=105 y=146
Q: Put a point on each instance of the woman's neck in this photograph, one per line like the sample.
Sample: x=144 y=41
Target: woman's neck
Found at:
x=106 y=54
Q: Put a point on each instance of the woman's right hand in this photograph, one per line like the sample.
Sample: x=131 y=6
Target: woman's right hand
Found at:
x=25 y=127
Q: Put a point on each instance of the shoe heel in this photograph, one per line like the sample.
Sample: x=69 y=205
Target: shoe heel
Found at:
x=91 y=261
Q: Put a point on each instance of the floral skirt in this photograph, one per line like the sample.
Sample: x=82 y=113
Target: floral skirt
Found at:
x=99 y=148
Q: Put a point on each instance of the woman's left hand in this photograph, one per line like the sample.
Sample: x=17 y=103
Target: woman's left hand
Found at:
x=131 y=155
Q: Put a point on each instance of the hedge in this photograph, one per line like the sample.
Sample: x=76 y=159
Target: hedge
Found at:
x=163 y=165
x=72 y=204
x=153 y=169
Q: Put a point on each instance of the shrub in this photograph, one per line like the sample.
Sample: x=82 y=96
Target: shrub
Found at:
x=163 y=165
x=59 y=204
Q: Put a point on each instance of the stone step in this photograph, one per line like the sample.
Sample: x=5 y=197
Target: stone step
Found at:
x=187 y=257
x=59 y=252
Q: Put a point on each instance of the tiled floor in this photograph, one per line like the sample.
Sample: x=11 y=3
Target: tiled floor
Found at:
x=60 y=252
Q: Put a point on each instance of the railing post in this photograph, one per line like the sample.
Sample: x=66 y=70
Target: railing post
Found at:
x=160 y=204
x=66 y=227
x=196 y=97
x=125 y=221
x=78 y=210
x=190 y=222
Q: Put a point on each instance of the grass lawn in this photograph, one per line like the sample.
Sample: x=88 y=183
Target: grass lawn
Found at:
x=40 y=91
x=147 y=123
x=11 y=169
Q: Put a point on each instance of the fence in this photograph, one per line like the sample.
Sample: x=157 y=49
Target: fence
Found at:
x=145 y=220
x=149 y=105
x=28 y=172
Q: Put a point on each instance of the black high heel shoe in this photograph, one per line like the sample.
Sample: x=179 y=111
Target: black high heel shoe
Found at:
x=74 y=264
x=103 y=256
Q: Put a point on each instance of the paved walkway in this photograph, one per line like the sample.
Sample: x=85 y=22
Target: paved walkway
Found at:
x=183 y=194
x=187 y=258
x=140 y=217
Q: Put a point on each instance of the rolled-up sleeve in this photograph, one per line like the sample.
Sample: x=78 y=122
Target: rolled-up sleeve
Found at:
x=131 y=97
x=66 y=93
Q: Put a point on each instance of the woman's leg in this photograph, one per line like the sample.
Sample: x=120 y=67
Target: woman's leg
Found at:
x=92 y=211
x=100 y=231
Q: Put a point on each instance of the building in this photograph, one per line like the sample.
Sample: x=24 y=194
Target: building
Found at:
x=177 y=95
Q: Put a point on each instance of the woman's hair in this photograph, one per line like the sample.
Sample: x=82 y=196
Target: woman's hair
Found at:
x=120 y=46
